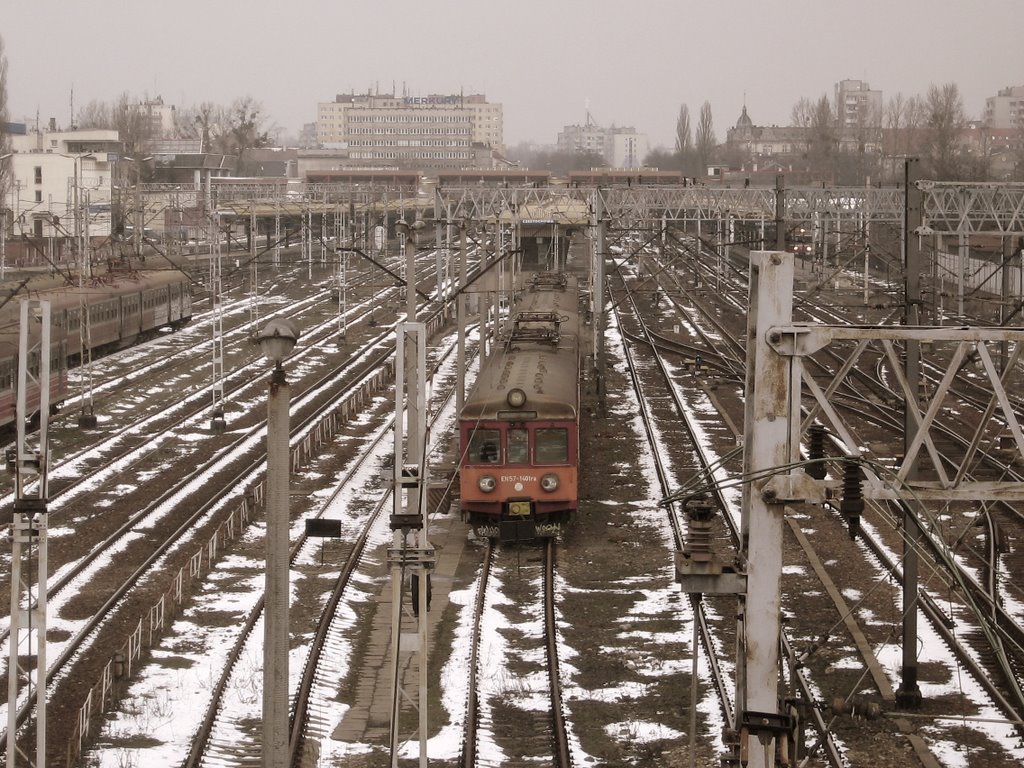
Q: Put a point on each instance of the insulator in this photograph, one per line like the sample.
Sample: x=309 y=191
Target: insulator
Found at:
x=852 y=505
x=699 y=512
x=816 y=451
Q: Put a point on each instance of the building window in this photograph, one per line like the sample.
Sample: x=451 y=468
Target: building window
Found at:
x=39 y=174
x=39 y=195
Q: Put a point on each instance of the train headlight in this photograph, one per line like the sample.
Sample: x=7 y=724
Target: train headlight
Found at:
x=516 y=398
x=549 y=482
x=487 y=483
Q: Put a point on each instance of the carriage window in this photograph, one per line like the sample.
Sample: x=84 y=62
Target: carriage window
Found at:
x=518 y=446
x=552 y=446
x=484 y=447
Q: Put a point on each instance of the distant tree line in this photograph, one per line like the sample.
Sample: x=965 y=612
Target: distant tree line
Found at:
x=930 y=127
x=558 y=162
x=228 y=130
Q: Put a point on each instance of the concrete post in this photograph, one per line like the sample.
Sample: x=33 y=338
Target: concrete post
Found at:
x=769 y=440
x=275 y=612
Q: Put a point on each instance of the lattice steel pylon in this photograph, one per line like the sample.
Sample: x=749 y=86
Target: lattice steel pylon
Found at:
x=28 y=537
x=217 y=419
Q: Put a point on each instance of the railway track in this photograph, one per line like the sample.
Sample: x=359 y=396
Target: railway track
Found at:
x=92 y=627
x=940 y=623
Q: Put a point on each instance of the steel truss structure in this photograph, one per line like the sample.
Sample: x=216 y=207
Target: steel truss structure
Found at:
x=949 y=207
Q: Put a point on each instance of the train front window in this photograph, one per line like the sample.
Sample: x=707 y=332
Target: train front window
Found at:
x=552 y=446
x=484 y=447
x=518 y=446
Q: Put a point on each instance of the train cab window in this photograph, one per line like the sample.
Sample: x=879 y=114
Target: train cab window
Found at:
x=552 y=446
x=518 y=446
x=484 y=447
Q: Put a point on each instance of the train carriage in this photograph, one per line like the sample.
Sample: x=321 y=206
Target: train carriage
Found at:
x=123 y=309
x=519 y=426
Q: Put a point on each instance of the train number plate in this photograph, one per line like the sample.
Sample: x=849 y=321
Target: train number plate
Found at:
x=519 y=509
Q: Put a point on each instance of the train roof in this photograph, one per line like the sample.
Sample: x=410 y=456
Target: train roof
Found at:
x=539 y=356
x=63 y=295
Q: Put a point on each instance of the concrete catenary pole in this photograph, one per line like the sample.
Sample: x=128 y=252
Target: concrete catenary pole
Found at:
x=277 y=340
x=768 y=441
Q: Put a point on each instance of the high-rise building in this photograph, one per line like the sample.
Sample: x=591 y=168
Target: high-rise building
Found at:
x=619 y=146
x=438 y=131
x=857 y=106
x=1005 y=109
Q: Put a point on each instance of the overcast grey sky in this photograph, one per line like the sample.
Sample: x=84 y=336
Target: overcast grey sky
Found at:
x=635 y=62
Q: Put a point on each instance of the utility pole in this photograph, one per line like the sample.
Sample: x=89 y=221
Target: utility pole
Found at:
x=768 y=442
x=461 y=308
x=780 y=213
x=276 y=341
x=908 y=695
x=87 y=414
x=411 y=550
x=29 y=538
x=597 y=300
x=217 y=418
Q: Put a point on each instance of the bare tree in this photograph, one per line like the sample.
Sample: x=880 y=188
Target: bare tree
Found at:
x=944 y=110
x=802 y=113
x=684 y=139
x=705 y=142
x=822 y=140
x=95 y=115
x=5 y=164
x=201 y=122
x=127 y=115
x=686 y=156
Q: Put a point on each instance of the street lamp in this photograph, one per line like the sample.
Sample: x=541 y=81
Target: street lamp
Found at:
x=276 y=341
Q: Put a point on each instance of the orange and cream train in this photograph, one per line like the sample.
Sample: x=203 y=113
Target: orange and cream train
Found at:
x=519 y=426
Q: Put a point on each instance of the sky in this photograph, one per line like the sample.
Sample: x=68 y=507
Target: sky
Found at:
x=546 y=61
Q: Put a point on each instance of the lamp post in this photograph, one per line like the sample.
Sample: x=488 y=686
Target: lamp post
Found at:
x=276 y=342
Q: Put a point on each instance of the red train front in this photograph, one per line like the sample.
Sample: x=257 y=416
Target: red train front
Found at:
x=519 y=427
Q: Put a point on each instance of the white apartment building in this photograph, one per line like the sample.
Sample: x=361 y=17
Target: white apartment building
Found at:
x=52 y=171
x=416 y=131
x=1005 y=109
x=620 y=147
x=625 y=148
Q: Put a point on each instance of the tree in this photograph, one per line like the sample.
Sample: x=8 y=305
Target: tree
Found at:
x=5 y=165
x=95 y=115
x=663 y=160
x=802 y=113
x=705 y=141
x=944 y=116
x=558 y=162
x=199 y=122
x=684 y=141
x=822 y=140
x=686 y=159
